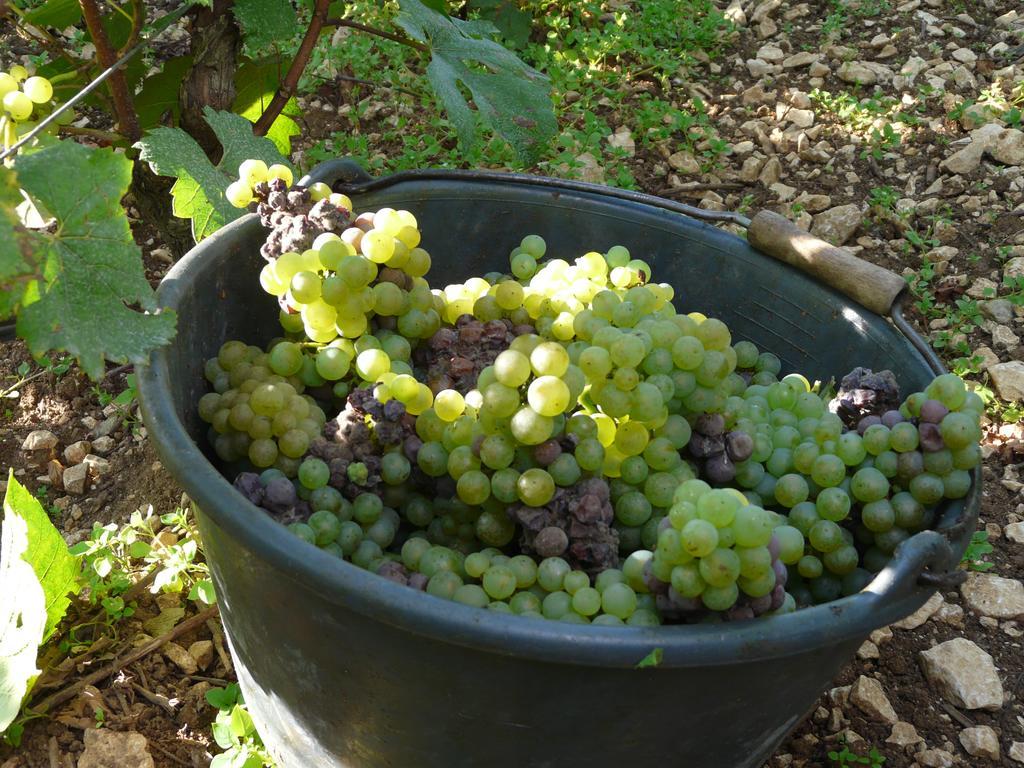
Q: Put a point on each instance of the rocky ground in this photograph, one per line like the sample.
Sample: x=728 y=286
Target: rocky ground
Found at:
x=925 y=177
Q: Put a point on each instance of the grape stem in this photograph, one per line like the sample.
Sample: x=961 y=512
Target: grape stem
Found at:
x=126 y=118
x=291 y=79
x=402 y=39
x=108 y=136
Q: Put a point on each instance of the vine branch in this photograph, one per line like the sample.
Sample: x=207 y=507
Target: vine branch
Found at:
x=291 y=79
x=126 y=118
x=402 y=39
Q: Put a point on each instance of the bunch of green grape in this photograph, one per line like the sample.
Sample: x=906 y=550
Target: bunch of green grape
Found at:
x=20 y=97
x=256 y=412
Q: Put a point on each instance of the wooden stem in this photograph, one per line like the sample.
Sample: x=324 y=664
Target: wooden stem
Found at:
x=127 y=120
x=291 y=79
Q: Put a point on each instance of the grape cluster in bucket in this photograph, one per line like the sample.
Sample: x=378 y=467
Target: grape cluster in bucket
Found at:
x=559 y=441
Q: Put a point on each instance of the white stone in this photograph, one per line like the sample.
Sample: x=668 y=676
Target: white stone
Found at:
x=684 y=162
x=1004 y=338
x=801 y=118
x=1008 y=148
x=964 y=674
x=75 y=478
x=837 y=225
x=857 y=72
x=1015 y=532
x=934 y=758
x=76 y=452
x=922 y=614
x=589 y=169
x=103 y=445
x=1008 y=379
x=869 y=696
x=770 y=53
x=202 y=652
x=801 y=59
x=980 y=741
x=989 y=595
x=1014 y=267
x=1017 y=751
x=904 y=735
x=758 y=68
x=965 y=55
x=181 y=658
x=40 y=440
x=112 y=749
x=868 y=650
x=622 y=139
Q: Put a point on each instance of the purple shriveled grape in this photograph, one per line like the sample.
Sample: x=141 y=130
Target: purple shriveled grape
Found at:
x=551 y=542
x=280 y=495
x=546 y=453
x=702 y=446
x=868 y=421
x=778 y=597
x=774 y=547
x=250 y=486
x=781 y=574
x=862 y=392
x=739 y=613
x=719 y=469
x=418 y=581
x=709 y=424
x=892 y=418
x=930 y=437
x=933 y=411
x=739 y=445
x=761 y=604
x=393 y=571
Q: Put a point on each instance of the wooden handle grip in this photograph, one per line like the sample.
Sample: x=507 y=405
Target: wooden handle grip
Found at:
x=868 y=284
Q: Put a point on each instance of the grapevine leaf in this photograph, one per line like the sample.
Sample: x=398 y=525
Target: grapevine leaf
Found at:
x=512 y=21
x=91 y=266
x=37 y=573
x=512 y=97
x=198 y=193
x=266 y=22
x=17 y=269
x=256 y=85
x=652 y=659
x=55 y=13
x=159 y=95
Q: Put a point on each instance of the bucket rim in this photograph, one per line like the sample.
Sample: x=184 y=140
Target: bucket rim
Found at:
x=892 y=594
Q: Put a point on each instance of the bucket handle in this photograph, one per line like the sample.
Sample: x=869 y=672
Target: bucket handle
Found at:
x=926 y=559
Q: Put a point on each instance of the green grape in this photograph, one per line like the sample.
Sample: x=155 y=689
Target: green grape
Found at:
x=878 y=516
x=619 y=600
x=810 y=567
x=535 y=487
x=499 y=582
x=586 y=601
x=791 y=489
x=565 y=470
x=832 y=504
x=903 y=437
x=556 y=605
x=699 y=538
x=927 y=489
x=473 y=487
x=842 y=561
x=314 y=473
x=720 y=568
x=574 y=581
x=752 y=527
x=959 y=430
x=869 y=485
x=589 y=454
x=825 y=536
x=530 y=427
x=632 y=509
x=720 y=598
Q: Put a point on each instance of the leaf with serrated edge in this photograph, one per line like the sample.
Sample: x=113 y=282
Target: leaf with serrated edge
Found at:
x=266 y=22
x=512 y=97
x=198 y=193
x=37 y=573
x=91 y=265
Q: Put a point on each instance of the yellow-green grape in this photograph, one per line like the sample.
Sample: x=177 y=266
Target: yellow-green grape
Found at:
x=371 y=363
x=270 y=282
x=7 y=84
x=449 y=405
x=279 y=171
x=38 y=89
x=340 y=200
x=18 y=105
x=239 y=194
x=319 y=191
x=548 y=395
x=18 y=72
x=378 y=246
x=418 y=264
x=423 y=400
x=252 y=172
x=388 y=221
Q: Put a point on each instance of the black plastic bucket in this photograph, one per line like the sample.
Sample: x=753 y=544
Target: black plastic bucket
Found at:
x=343 y=668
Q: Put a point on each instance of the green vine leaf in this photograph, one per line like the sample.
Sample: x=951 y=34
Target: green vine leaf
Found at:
x=198 y=193
x=159 y=94
x=37 y=573
x=89 y=278
x=17 y=266
x=512 y=97
x=513 y=22
x=266 y=23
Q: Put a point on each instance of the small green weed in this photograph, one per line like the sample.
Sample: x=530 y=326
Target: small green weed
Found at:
x=235 y=733
x=976 y=551
x=846 y=758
